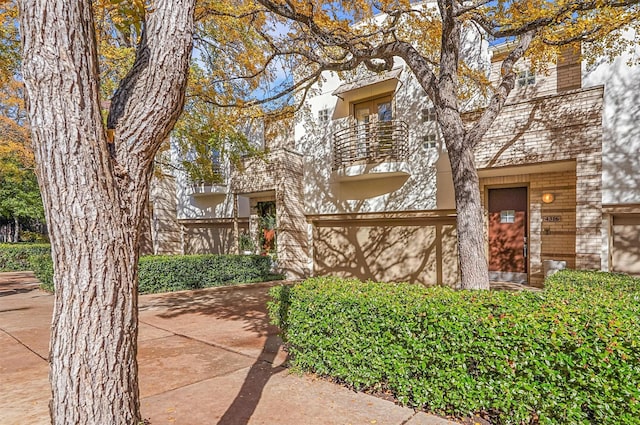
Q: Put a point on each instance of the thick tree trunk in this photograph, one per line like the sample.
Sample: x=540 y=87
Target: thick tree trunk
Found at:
x=474 y=270
x=94 y=192
x=474 y=273
x=94 y=333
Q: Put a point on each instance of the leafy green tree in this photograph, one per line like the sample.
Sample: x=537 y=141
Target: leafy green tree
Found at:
x=19 y=193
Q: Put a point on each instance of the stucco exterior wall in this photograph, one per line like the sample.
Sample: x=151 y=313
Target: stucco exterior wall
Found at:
x=208 y=237
x=417 y=247
x=278 y=177
x=550 y=79
x=621 y=126
x=415 y=191
x=163 y=224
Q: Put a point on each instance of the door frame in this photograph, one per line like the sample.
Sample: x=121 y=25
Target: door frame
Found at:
x=525 y=185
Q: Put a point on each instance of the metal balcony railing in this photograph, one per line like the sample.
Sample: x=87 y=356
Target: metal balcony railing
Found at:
x=370 y=142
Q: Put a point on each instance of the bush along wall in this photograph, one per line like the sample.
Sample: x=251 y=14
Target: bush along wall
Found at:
x=15 y=257
x=567 y=355
x=166 y=273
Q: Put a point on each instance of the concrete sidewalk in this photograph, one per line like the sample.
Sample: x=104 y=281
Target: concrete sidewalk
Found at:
x=205 y=357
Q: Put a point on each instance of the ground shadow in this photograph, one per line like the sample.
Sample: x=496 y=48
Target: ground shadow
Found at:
x=247 y=399
x=14 y=291
x=244 y=305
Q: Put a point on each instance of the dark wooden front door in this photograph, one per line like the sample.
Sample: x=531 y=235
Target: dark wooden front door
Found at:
x=508 y=234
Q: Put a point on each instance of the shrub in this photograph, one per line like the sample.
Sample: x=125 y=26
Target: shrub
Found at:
x=15 y=257
x=33 y=237
x=165 y=273
x=42 y=267
x=177 y=272
x=568 y=355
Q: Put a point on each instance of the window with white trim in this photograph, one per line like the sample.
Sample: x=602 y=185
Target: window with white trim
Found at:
x=507 y=216
x=429 y=114
x=323 y=116
x=429 y=141
x=526 y=78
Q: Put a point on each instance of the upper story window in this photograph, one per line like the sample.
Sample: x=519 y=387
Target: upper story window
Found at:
x=429 y=141
x=428 y=114
x=526 y=78
x=323 y=116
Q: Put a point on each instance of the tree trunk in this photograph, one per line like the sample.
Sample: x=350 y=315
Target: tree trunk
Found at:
x=474 y=270
x=16 y=229
x=94 y=192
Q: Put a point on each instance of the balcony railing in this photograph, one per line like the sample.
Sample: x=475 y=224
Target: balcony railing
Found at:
x=382 y=141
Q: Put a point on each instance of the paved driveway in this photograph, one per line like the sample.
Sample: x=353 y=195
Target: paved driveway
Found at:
x=205 y=357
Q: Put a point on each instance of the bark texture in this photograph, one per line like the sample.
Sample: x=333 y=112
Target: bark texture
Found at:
x=94 y=192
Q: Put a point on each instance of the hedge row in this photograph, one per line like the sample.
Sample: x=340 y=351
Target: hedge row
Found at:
x=166 y=273
x=568 y=355
x=15 y=257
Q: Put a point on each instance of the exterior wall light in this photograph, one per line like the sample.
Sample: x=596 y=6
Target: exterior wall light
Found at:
x=548 y=198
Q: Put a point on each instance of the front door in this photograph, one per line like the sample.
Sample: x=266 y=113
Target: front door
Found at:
x=508 y=234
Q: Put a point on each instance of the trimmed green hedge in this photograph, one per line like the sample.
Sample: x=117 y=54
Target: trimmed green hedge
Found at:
x=42 y=267
x=167 y=273
x=567 y=355
x=15 y=257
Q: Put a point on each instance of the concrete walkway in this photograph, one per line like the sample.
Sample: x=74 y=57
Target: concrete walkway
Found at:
x=205 y=357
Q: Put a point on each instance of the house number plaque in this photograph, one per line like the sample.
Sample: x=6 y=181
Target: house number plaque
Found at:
x=551 y=218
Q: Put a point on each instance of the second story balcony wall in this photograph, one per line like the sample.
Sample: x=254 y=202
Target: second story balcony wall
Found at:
x=208 y=182
x=382 y=142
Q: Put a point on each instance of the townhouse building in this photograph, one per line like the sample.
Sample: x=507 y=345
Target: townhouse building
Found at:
x=361 y=184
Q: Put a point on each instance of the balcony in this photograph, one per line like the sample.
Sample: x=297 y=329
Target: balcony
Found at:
x=208 y=189
x=208 y=182
x=371 y=150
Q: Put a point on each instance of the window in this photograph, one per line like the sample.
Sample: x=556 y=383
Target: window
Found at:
x=428 y=114
x=429 y=141
x=380 y=107
x=526 y=78
x=508 y=216
x=323 y=116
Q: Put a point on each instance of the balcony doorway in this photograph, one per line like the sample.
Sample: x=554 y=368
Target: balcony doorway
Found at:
x=372 y=124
